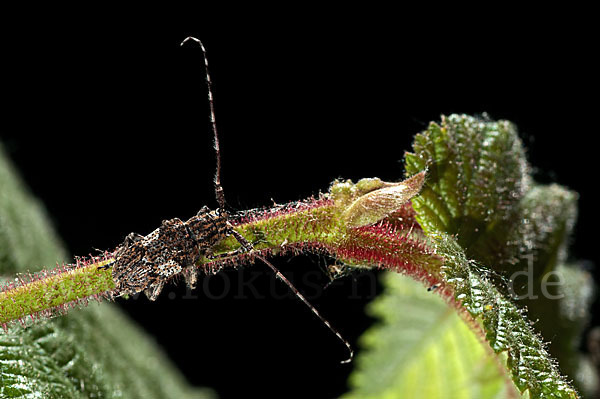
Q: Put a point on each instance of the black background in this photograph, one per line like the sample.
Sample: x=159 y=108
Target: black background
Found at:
x=107 y=119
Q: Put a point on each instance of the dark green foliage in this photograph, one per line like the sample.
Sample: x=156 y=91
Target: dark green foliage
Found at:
x=506 y=327
x=477 y=174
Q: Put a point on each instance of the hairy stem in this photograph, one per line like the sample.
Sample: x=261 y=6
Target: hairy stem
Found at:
x=44 y=293
x=315 y=225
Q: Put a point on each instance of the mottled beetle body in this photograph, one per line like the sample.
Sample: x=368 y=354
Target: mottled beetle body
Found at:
x=145 y=263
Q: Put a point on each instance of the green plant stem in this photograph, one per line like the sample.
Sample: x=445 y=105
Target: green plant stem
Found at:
x=312 y=225
x=54 y=292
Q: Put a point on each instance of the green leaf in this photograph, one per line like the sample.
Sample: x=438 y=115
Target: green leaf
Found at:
x=558 y=296
x=505 y=325
x=421 y=348
x=562 y=315
x=479 y=191
x=547 y=216
x=477 y=174
x=26 y=237
x=94 y=352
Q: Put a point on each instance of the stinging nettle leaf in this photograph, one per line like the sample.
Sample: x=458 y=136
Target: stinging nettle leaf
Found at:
x=421 y=348
x=477 y=172
x=479 y=202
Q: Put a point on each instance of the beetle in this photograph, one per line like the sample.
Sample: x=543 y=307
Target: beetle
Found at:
x=145 y=263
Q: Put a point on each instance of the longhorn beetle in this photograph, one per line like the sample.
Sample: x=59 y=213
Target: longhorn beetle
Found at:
x=145 y=263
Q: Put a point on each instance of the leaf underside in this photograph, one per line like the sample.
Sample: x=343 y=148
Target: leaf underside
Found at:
x=423 y=349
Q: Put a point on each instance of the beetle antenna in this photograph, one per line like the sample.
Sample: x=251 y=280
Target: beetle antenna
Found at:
x=248 y=246
x=218 y=188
